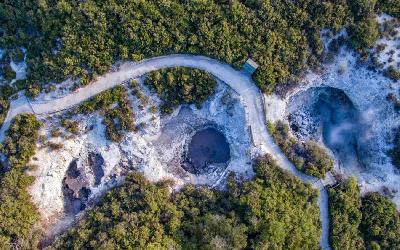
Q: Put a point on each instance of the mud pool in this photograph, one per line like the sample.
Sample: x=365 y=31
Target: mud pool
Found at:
x=207 y=146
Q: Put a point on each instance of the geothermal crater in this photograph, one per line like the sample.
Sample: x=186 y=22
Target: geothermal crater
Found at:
x=207 y=149
x=327 y=114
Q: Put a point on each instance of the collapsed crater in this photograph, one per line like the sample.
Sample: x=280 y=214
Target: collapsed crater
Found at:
x=80 y=177
x=328 y=114
x=207 y=149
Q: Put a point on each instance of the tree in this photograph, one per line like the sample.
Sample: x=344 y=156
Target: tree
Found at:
x=364 y=33
x=18 y=215
x=20 y=142
x=8 y=72
x=391 y=7
x=381 y=222
x=362 y=8
x=83 y=39
x=345 y=216
x=181 y=86
x=308 y=156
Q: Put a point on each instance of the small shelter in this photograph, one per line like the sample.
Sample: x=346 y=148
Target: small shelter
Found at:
x=250 y=66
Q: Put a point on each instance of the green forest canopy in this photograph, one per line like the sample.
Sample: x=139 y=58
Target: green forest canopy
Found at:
x=84 y=38
x=18 y=215
x=369 y=222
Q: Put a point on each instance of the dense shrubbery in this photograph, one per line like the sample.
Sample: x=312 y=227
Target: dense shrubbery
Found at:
x=181 y=86
x=83 y=38
x=20 y=142
x=5 y=93
x=381 y=222
x=273 y=211
x=365 y=30
x=345 y=214
x=370 y=222
x=391 y=7
x=364 y=33
x=308 y=156
x=362 y=8
x=17 y=213
x=8 y=72
x=116 y=110
x=393 y=73
x=4 y=106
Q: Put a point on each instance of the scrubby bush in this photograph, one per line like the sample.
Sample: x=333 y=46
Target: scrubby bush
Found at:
x=33 y=90
x=308 y=156
x=54 y=145
x=391 y=7
x=116 y=109
x=363 y=34
x=20 y=142
x=381 y=222
x=55 y=132
x=8 y=73
x=18 y=215
x=371 y=222
x=272 y=211
x=181 y=86
x=393 y=73
x=153 y=109
x=317 y=160
x=70 y=126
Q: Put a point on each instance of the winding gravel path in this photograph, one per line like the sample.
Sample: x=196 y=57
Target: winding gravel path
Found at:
x=251 y=98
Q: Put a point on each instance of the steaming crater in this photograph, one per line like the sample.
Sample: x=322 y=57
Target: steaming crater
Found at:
x=327 y=114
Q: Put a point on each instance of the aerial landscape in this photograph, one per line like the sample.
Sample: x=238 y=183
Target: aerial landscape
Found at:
x=200 y=124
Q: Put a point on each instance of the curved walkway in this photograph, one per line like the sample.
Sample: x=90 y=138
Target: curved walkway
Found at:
x=251 y=98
